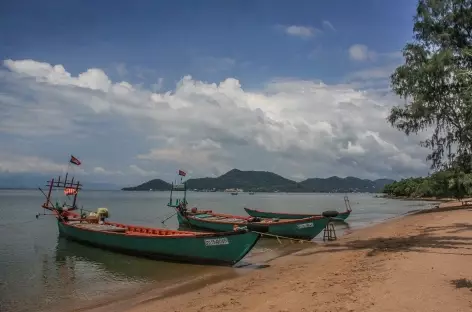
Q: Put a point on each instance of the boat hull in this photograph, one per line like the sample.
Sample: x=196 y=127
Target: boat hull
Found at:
x=226 y=249
x=306 y=228
x=282 y=215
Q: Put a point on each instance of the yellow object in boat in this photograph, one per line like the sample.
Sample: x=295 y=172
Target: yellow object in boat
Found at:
x=102 y=212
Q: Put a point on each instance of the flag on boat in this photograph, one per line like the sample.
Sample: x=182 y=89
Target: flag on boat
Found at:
x=182 y=173
x=74 y=160
x=70 y=191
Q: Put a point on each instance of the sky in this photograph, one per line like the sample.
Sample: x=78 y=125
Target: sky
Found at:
x=139 y=90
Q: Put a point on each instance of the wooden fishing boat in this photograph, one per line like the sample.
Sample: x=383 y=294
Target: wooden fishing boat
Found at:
x=305 y=228
x=334 y=215
x=181 y=246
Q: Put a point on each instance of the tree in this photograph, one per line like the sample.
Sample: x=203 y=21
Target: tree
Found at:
x=445 y=183
x=436 y=81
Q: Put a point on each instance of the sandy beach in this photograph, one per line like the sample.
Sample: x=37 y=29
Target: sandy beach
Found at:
x=419 y=262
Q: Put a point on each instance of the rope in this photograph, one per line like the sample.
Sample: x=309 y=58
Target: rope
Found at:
x=166 y=217
x=301 y=241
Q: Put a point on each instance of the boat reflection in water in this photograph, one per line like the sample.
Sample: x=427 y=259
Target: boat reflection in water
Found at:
x=87 y=274
x=121 y=266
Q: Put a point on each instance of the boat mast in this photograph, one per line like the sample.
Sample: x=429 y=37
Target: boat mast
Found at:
x=48 y=198
x=75 y=193
x=171 y=189
x=185 y=194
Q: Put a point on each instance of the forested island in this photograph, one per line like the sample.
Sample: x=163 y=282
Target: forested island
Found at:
x=264 y=181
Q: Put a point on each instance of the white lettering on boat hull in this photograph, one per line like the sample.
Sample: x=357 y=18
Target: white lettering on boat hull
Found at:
x=216 y=241
x=305 y=225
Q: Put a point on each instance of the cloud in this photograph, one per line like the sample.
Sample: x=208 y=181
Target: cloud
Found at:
x=377 y=74
x=145 y=173
x=21 y=164
x=292 y=127
x=299 y=31
x=328 y=25
x=156 y=87
x=360 y=52
x=102 y=171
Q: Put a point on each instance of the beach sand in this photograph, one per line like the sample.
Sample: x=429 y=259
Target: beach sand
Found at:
x=420 y=262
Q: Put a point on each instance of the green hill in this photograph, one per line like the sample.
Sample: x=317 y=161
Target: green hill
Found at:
x=261 y=181
x=264 y=181
x=155 y=185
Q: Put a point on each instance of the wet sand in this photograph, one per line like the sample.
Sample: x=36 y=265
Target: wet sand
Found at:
x=421 y=262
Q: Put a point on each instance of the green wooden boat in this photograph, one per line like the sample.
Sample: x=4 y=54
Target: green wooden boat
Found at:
x=182 y=246
x=305 y=228
x=334 y=215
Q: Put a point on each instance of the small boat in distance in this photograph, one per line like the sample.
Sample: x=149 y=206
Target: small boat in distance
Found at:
x=334 y=215
x=234 y=191
x=181 y=246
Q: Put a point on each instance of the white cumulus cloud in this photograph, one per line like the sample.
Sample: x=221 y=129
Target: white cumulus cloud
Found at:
x=360 y=52
x=299 y=31
x=292 y=127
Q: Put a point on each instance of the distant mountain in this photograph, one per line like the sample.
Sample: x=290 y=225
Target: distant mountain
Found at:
x=264 y=181
x=247 y=180
x=155 y=185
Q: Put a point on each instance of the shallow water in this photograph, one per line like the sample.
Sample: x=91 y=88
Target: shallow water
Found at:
x=41 y=272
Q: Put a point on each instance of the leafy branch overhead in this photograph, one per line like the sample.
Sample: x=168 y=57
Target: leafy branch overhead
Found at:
x=436 y=81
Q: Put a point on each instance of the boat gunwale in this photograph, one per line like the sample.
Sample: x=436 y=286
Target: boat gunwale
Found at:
x=347 y=211
x=281 y=221
x=186 y=234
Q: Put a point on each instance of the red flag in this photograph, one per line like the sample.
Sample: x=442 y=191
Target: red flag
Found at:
x=74 y=160
x=182 y=173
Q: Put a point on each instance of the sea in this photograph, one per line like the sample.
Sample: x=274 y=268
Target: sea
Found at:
x=41 y=271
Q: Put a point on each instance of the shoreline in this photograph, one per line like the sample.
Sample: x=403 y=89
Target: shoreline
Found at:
x=432 y=199
x=396 y=256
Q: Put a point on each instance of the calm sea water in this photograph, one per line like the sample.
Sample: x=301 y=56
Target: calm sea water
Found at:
x=41 y=272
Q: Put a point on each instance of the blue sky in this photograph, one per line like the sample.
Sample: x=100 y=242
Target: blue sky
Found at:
x=176 y=38
x=291 y=78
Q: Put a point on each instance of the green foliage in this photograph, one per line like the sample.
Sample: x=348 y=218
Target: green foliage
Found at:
x=436 y=82
x=442 y=184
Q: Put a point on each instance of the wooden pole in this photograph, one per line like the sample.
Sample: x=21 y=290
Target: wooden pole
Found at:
x=48 y=198
x=75 y=195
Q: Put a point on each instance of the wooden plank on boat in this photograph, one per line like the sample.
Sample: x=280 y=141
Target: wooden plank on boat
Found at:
x=100 y=227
